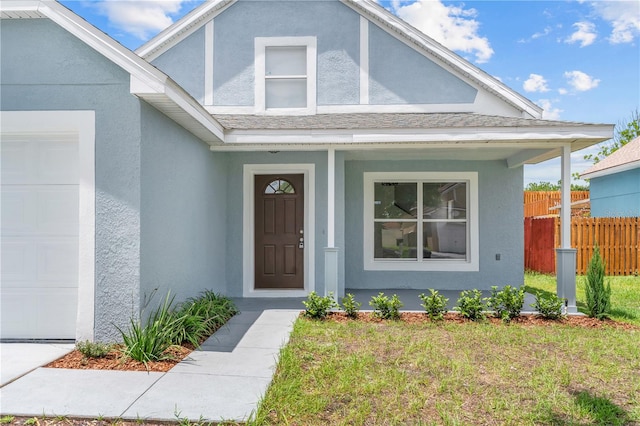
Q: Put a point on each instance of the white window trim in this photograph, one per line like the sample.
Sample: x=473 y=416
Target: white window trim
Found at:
x=80 y=124
x=371 y=264
x=261 y=43
x=248 y=228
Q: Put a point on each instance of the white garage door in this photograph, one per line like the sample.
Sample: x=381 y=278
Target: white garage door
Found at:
x=39 y=233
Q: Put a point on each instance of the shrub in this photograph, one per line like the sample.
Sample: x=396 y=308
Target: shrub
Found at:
x=94 y=349
x=149 y=342
x=200 y=317
x=435 y=305
x=318 y=307
x=598 y=296
x=385 y=307
x=471 y=305
x=548 y=305
x=350 y=306
x=506 y=303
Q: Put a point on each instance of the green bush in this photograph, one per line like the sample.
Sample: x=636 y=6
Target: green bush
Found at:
x=317 y=307
x=598 y=296
x=94 y=349
x=149 y=342
x=435 y=305
x=351 y=306
x=506 y=303
x=548 y=305
x=385 y=307
x=471 y=305
x=200 y=317
x=191 y=322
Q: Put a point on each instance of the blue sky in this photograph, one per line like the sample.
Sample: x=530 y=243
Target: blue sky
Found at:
x=579 y=60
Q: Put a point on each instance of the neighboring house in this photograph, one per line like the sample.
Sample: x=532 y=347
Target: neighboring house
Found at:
x=257 y=149
x=614 y=183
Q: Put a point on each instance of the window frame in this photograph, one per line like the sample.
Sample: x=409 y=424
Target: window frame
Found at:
x=261 y=44
x=471 y=263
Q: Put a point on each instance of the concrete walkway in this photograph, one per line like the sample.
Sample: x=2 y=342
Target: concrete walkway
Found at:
x=223 y=380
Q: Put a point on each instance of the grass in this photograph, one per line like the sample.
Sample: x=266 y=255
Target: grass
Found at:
x=454 y=374
x=625 y=294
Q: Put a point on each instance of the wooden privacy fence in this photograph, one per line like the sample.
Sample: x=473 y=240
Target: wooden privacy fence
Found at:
x=618 y=239
x=540 y=203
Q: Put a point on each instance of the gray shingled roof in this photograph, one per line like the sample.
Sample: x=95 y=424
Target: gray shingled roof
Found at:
x=381 y=121
x=630 y=153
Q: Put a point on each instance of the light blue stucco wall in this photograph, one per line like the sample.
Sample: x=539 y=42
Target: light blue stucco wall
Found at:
x=236 y=162
x=500 y=222
x=185 y=64
x=400 y=75
x=43 y=67
x=616 y=195
x=183 y=211
x=335 y=25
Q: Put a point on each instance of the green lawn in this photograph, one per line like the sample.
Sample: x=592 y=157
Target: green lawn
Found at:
x=625 y=294
x=393 y=372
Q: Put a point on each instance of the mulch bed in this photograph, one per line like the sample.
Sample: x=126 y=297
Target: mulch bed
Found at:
x=115 y=360
x=524 y=320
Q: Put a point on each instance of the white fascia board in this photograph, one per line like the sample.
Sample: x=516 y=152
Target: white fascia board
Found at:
x=181 y=29
x=611 y=170
x=183 y=102
x=430 y=45
x=542 y=136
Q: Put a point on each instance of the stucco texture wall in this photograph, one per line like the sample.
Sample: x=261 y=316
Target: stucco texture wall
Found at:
x=335 y=25
x=45 y=68
x=616 y=195
x=183 y=211
x=500 y=228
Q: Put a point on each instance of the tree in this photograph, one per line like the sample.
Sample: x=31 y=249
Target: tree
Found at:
x=625 y=132
x=548 y=186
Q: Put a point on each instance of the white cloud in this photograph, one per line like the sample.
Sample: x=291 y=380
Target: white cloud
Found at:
x=585 y=34
x=624 y=18
x=535 y=83
x=550 y=112
x=581 y=81
x=453 y=26
x=563 y=91
x=140 y=18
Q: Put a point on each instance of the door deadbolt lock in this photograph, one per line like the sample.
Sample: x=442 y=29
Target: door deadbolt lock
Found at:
x=301 y=243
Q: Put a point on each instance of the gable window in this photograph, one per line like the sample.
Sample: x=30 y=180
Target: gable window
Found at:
x=285 y=70
x=421 y=221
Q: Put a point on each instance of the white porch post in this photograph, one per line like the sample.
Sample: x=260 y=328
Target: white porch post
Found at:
x=331 y=252
x=566 y=255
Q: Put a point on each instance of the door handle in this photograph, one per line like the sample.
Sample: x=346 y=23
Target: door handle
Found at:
x=301 y=243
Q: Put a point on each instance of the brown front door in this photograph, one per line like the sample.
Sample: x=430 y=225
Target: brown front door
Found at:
x=279 y=243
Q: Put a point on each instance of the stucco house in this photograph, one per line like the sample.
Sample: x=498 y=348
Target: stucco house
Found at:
x=614 y=183
x=258 y=149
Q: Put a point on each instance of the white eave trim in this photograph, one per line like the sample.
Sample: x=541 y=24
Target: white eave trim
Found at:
x=181 y=29
x=539 y=135
x=412 y=34
x=611 y=170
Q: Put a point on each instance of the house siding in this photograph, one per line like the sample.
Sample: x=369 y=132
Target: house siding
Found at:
x=616 y=195
x=336 y=27
x=182 y=212
x=500 y=219
x=185 y=64
x=43 y=67
x=400 y=75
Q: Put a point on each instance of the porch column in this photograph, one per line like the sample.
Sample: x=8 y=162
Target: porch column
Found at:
x=566 y=255
x=331 y=252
